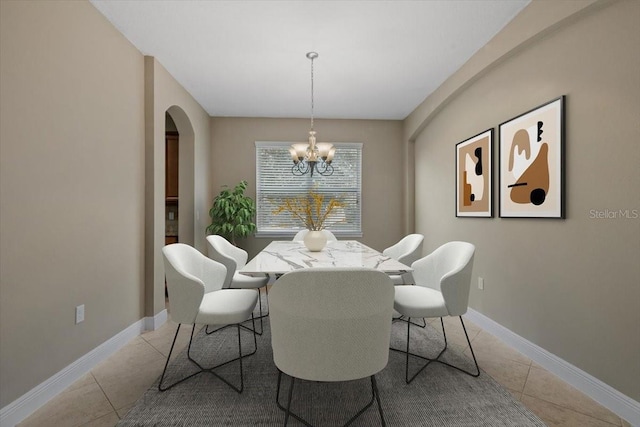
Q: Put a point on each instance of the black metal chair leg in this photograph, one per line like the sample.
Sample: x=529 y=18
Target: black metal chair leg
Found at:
x=160 y=388
x=403 y=319
x=168 y=357
x=211 y=369
x=406 y=365
x=288 y=408
x=408 y=353
x=286 y=417
x=437 y=358
x=262 y=316
x=208 y=332
x=477 y=373
x=375 y=396
x=444 y=333
x=189 y=348
x=239 y=358
x=278 y=387
x=475 y=361
x=374 y=385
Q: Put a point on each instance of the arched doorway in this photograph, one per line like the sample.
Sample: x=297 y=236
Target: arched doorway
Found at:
x=179 y=181
x=172 y=181
x=185 y=219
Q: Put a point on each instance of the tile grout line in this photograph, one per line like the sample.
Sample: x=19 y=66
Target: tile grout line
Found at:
x=105 y=395
x=558 y=405
x=523 y=394
x=524 y=387
x=104 y=392
x=571 y=410
x=154 y=347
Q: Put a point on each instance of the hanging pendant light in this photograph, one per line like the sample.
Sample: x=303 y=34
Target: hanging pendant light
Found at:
x=312 y=156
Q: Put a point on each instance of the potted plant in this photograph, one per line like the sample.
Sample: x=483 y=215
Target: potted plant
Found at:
x=232 y=213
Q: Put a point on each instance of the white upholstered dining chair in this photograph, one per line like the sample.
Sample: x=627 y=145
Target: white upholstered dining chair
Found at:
x=442 y=286
x=300 y=235
x=194 y=284
x=406 y=251
x=234 y=258
x=331 y=324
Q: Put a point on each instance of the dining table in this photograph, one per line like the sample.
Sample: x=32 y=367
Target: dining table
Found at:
x=280 y=257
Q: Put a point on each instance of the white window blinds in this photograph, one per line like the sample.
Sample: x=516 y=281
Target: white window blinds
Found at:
x=276 y=182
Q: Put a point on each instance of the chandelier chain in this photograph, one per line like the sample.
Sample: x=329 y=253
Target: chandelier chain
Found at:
x=312 y=92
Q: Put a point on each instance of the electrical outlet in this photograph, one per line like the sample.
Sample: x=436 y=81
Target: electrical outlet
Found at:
x=79 y=314
x=480 y=283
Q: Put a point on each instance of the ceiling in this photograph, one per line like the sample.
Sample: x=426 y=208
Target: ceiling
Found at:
x=377 y=59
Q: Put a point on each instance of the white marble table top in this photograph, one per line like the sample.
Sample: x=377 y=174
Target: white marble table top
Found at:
x=280 y=257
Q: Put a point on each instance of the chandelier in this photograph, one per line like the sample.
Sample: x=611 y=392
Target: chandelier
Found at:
x=312 y=156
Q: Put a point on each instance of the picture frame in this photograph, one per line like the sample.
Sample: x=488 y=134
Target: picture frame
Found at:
x=474 y=176
x=531 y=169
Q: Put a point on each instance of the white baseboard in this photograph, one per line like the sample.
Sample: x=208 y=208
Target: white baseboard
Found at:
x=35 y=398
x=153 y=323
x=607 y=396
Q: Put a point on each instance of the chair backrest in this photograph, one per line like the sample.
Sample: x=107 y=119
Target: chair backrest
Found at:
x=189 y=276
x=330 y=324
x=448 y=270
x=300 y=235
x=221 y=250
x=407 y=250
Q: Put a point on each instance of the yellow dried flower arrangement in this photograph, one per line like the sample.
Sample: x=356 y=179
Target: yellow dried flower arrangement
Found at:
x=310 y=209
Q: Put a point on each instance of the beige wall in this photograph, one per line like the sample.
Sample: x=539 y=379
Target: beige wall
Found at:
x=233 y=139
x=71 y=187
x=82 y=180
x=569 y=286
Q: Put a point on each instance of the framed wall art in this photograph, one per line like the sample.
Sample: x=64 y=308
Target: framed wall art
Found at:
x=532 y=163
x=474 y=176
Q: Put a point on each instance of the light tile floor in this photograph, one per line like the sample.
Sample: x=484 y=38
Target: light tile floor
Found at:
x=106 y=394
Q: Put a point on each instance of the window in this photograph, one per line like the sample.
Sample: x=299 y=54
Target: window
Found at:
x=276 y=182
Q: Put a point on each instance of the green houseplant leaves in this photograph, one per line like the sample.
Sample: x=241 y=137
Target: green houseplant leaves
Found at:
x=232 y=213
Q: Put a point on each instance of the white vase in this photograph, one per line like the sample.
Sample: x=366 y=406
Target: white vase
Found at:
x=315 y=241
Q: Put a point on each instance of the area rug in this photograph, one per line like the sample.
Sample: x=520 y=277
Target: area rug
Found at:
x=439 y=396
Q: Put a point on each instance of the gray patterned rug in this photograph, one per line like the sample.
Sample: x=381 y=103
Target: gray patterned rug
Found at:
x=439 y=396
